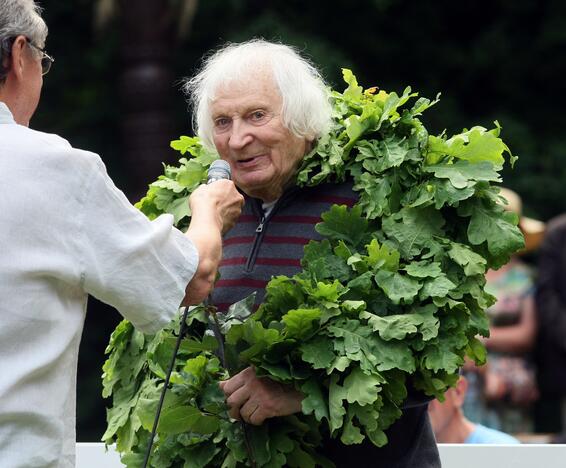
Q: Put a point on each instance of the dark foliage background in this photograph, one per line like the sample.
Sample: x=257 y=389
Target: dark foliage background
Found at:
x=499 y=60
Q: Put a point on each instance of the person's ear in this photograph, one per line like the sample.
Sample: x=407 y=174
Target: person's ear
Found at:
x=460 y=391
x=18 y=62
x=309 y=145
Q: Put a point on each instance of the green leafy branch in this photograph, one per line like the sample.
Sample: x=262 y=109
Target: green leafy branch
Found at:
x=388 y=304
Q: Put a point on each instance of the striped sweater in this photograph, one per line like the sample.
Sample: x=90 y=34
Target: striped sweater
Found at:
x=260 y=246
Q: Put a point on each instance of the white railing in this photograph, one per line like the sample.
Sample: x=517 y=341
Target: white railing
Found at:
x=91 y=455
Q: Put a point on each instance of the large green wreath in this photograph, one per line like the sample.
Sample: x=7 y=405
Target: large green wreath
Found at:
x=392 y=298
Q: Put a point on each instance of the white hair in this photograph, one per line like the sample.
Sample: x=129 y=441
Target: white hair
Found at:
x=306 y=109
x=19 y=18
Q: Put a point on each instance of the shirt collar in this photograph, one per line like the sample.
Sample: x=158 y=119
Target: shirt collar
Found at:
x=6 y=116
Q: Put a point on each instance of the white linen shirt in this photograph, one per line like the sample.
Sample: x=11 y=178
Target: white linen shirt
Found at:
x=66 y=231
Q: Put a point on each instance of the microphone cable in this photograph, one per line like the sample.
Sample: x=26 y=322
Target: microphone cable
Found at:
x=183 y=328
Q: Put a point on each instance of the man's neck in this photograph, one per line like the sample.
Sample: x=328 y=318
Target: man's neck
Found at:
x=13 y=105
x=5 y=113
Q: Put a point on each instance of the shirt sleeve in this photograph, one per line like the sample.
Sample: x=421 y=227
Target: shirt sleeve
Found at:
x=138 y=266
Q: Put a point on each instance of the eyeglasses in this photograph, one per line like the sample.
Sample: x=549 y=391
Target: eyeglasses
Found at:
x=46 y=60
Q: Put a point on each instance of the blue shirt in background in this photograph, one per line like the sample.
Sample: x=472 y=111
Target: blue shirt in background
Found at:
x=485 y=435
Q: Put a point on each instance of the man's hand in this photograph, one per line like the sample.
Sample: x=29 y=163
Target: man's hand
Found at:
x=255 y=399
x=215 y=208
x=219 y=198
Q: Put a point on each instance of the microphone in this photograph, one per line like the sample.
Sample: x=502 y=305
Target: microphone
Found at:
x=219 y=169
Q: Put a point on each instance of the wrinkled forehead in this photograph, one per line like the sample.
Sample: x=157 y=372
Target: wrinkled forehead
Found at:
x=253 y=78
x=243 y=94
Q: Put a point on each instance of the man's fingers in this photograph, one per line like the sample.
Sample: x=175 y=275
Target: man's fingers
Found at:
x=251 y=413
x=234 y=413
x=231 y=385
x=239 y=380
x=236 y=401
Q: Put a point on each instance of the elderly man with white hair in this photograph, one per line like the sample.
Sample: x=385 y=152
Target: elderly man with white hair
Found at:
x=263 y=107
x=65 y=232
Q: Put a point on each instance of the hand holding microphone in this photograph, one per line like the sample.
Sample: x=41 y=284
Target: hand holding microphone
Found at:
x=215 y=208
x=221 y=193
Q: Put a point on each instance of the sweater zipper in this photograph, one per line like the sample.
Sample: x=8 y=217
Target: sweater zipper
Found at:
x=255 y=247
x=259 y=230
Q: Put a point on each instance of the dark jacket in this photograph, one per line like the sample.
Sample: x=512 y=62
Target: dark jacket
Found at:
x=550 y=300
x=260 y=247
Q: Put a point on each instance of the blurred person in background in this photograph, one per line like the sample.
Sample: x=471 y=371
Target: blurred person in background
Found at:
x=502 y=393
x=551 y=339
x=450 y=426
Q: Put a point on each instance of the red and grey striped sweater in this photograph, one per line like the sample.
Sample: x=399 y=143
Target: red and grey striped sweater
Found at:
x=260 y=246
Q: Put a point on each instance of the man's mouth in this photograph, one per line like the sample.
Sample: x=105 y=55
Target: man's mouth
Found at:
x=248 y=161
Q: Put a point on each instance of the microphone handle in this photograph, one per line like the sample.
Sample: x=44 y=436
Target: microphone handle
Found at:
x=214 y=179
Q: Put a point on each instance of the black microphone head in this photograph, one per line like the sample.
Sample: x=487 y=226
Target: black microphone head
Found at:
x=219 y=169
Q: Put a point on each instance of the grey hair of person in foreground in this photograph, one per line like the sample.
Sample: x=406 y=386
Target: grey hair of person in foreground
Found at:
x=19 y=18
x=306 y=109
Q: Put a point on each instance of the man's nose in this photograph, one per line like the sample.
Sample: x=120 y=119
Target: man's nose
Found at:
x=240 y=136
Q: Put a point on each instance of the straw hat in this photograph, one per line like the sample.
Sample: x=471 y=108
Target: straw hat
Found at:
x=532 y=229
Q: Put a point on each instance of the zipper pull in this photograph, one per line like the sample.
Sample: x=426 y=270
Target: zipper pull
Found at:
x=259 y=228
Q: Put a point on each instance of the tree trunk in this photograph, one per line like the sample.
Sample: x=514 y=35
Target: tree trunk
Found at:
x=146 y=86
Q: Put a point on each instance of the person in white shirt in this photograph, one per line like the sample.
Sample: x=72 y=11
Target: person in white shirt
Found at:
x=65 y=232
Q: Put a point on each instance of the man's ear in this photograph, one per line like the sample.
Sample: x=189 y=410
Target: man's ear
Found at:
x=17 y=59
x=310 y=144
x=460 y=390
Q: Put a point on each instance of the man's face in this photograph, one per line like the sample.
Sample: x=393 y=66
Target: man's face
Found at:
x=249 y=135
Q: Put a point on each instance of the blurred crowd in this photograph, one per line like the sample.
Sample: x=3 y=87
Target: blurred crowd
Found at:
x=520 y=394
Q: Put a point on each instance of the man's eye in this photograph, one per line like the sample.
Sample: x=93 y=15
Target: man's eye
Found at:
x=221 y=123
x=258 y=117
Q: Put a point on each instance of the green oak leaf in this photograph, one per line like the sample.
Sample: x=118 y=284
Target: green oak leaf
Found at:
x=341 y=223
x=393 y=327
x=414 y=229
x=336 y=396
x=319 y=352
x=397 y=287
x=445 y=193
x=362 y=388
x=314 y=401
x=375 y=194
x=300 y=323
x=423 y=269
x=462 y=172
x=351 y=434
x=436 y=287
x=322 y=264
x=382 y=256
x=475 y=145
x=476 y=350
x=438 y=358
x=473 y=263
x=499 y=230
x=182 y=418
